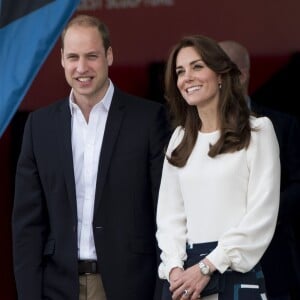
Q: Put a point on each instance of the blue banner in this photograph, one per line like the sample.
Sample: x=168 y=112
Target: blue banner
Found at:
x=29 y=30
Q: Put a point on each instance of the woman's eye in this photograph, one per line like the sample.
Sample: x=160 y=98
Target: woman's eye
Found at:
x=197 y=67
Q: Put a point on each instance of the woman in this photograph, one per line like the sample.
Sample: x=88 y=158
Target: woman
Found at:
x=219 y=193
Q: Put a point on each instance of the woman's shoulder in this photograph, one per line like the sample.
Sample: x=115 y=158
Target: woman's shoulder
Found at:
x=178 y=133
x=263 y=130
x=258 y=123
x=176 y=137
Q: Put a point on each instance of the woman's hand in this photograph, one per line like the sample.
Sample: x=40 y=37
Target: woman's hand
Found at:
x=175 y=274
x=187 y=284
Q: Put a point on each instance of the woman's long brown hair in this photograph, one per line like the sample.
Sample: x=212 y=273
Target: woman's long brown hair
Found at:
x=235 y=129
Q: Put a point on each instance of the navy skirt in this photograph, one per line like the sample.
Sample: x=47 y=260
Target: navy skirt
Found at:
x=229 y=285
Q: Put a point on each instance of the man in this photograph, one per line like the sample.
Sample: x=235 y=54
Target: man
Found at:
x=87 y=182
x=281 y=261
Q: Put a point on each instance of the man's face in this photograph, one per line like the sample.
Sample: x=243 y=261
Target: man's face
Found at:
x=86 y=63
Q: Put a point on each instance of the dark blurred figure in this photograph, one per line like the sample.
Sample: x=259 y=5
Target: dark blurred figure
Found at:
x=281 y=92
x=156 y=78
x=281 y=261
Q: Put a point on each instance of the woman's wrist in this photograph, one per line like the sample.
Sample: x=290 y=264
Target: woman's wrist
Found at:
x=206 y=267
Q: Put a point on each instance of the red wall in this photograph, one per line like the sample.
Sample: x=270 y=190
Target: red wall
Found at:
x=6 y=275
x=145 y=34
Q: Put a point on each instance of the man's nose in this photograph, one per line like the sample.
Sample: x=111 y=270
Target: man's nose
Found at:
x=82 y=65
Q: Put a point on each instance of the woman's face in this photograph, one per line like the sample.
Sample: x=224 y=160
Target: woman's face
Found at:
x=198 y=84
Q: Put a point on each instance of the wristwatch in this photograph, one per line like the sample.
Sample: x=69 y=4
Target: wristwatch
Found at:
x=204 y=268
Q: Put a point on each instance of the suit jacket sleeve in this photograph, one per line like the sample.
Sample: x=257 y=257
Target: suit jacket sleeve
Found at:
x=159 y=136
x=29 y=221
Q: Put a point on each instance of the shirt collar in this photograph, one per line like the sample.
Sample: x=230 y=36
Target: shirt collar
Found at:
x=106 y=100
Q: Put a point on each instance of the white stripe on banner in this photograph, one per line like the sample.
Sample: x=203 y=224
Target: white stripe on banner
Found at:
x=249 y=286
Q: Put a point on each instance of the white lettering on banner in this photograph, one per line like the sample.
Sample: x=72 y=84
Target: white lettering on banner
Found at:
x=90 y=4
x=159 y=2
x=113 y=4
x=122 y=4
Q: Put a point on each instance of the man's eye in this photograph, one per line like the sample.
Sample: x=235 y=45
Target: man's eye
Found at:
x=93 y=56
x=72 y=57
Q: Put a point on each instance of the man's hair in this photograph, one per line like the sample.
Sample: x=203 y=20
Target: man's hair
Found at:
x=89 y=21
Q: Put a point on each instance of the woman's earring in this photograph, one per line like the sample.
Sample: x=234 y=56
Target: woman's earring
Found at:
x=220 y=85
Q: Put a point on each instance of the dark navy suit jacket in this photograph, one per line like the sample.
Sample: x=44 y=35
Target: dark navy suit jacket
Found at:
x=45 y=214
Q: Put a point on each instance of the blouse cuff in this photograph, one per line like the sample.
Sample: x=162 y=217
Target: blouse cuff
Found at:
x=219 y=259
x=164 y=269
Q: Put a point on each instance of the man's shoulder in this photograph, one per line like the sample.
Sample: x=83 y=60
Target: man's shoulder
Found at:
x=51 y=108
x=138 y=101
x=43 y=117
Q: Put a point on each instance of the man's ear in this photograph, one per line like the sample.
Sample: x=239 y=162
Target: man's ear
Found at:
x=244 y=76
x=109 y=56
x=62 y=57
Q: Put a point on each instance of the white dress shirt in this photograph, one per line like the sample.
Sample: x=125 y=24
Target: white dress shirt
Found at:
x=232 y=198
x=86 y=146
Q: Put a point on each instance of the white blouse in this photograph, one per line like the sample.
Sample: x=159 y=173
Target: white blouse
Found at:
x=232 y=198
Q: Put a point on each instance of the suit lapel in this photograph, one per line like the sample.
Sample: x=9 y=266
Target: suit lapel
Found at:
x=113 y=124
x=63 y=131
